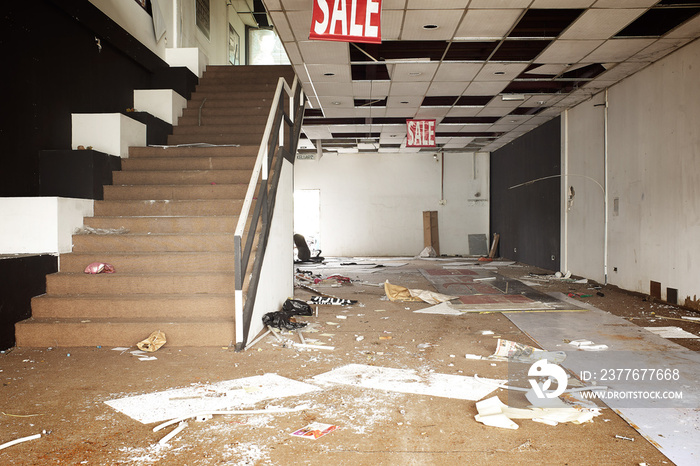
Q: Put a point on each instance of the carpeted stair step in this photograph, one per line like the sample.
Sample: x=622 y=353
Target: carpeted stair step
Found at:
x=184 y=224
x=220 y=129
x=175 y=192
x=189 y=163
x=215 y=138
x=154 y=242
x=250 y=150
x=156 y=207
x=181 y=177
x=170 y=306
x=123 y=332
x=191 y=118
x=151 y=262
x=62 y=283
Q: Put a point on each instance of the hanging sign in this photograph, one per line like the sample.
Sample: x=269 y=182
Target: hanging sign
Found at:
x=420 y=133
x=347 y=21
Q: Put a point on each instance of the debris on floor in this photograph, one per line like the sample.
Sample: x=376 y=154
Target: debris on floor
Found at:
x=671 y=332
x=182 y=402
x=400 y=293
x=284 y=318
x=332 y=301
x=315 y=430
x=511 y=351
x=444 y=308
x=153 y=342
x=493 y=412
x=587 y=345
x=19 y=440
x=409 y=381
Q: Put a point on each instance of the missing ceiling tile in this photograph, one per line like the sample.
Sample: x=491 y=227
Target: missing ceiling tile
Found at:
x=658 y=21
x=544 y=22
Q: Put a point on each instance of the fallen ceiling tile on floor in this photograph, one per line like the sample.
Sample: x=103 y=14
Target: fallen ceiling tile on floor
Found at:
x=410 y=381
x=176 y=403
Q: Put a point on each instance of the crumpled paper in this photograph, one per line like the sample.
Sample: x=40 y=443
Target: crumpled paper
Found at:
x=99 y=267
x=153 y=342
x=400 y=293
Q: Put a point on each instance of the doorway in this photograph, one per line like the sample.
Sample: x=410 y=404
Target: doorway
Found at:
x=307 y=217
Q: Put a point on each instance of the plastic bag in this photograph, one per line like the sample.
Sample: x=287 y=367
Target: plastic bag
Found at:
x=283 y=319
x=99 y=267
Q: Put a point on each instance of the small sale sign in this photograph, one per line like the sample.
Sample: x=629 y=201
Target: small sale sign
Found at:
x=347 y=21
x=420 y=133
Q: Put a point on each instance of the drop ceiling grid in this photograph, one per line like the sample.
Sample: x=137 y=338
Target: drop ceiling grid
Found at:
x=589 y=39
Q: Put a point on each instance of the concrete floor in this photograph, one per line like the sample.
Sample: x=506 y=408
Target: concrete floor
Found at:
x=62 y=391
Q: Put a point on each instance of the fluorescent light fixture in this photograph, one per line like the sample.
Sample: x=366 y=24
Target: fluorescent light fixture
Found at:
x=512 y=97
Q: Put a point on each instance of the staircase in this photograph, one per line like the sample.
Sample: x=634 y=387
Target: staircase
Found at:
x=175 y=265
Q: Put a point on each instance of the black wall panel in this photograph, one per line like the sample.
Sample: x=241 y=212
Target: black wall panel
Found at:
x=528 y=217
x=26 y=277
x=54 y=67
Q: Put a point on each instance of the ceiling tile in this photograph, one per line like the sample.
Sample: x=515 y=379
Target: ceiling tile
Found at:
x=294 y=4
x=500 y=71
x=317 y=132
x=393 y=5
x=562 y=4
x=370 y=112
x=437 y=4
x=408 y=88
x=370 y=89
x=457 y=71
x=412 y=72
x=432 y=112
x=500 y=3
x=391 y=24
x=617 y=50
x=494 y=111
x=293 y=53
x=340 y=102
x=329 y=73
x=446 y=21
x=568 y=51
x=485 y=88
x=332 y=89
x=401 y=112
x=659 y=49
x=447 y=88
x=284 y=31
x=404 y=101
x=622 y=70
x=300 y=22
x=464 y=111
x=600 y=24
x=487 y=23
x=273 y=5
x=625 y=3
x=498 y=102
x=324 y=52
x=449 y=128
x=552 y=70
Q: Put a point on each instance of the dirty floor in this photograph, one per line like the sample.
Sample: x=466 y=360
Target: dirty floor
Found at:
x=61 y=392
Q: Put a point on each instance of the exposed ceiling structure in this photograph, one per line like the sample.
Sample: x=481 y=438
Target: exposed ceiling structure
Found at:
x=487 y=71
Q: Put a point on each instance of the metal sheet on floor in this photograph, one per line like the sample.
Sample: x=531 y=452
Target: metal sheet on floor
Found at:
x=670 y=426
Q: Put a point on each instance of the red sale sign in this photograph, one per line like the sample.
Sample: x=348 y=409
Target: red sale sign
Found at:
x=347 y=21
x=420 y=133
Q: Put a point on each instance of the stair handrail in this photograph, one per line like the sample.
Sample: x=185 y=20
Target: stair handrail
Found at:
x=260 y=173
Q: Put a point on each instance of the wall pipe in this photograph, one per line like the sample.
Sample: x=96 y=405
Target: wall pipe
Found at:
x=605 y=189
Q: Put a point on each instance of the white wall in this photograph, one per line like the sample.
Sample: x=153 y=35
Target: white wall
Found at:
x=654 y=171
x=277 y=275
x=372 y=203
x=134 y=19
x=583 y=246
x=34 y=225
